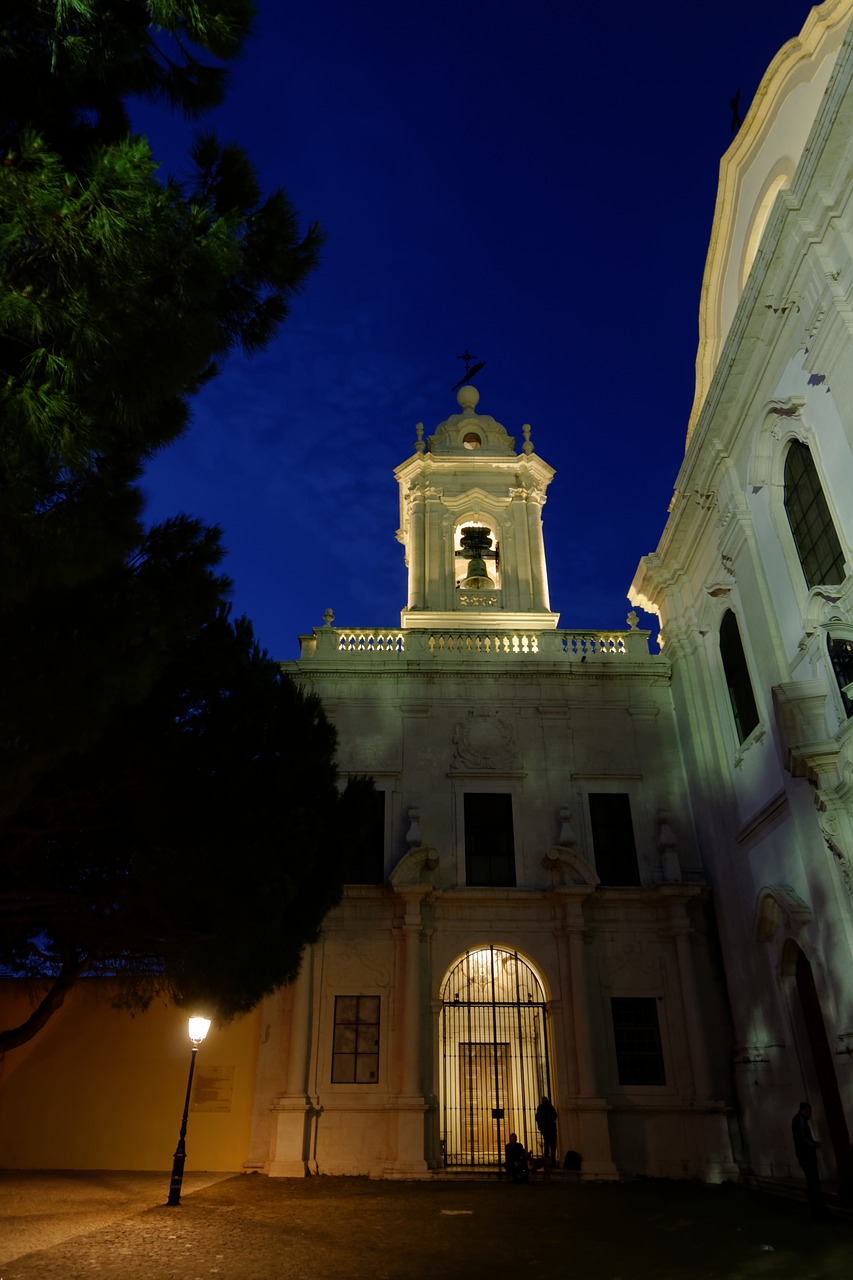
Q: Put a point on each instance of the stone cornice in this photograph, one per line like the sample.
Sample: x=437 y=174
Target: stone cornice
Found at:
x=578 y=680
x=796 y=64
x=788 y=273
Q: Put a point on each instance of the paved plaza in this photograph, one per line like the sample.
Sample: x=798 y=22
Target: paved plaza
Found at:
x=113 y=1226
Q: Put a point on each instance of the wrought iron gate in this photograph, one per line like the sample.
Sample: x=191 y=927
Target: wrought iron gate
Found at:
x=494 y=1042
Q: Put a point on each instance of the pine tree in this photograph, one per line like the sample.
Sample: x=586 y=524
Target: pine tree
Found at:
x=121 y=293
x=151 y=756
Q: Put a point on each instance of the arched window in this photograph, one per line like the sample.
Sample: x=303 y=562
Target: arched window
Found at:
x=811 y=524
x=737 y=677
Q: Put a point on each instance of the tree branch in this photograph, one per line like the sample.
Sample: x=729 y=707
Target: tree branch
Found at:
x=14 y=1037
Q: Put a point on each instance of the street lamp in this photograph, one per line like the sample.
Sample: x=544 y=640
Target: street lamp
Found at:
x=199 y=1028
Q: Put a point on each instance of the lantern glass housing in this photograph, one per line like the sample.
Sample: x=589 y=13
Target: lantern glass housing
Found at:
x=199 y=1028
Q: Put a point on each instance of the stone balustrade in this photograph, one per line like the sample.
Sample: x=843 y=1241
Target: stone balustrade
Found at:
x=363 y=644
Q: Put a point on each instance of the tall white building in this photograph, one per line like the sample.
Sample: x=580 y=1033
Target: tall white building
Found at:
x=752 y=583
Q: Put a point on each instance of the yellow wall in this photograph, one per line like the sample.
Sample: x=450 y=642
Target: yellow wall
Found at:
x=99 y=1089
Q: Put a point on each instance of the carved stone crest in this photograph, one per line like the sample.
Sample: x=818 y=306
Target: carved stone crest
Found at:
x=482 y=740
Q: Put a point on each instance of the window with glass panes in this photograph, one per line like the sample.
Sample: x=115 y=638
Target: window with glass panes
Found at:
x=489 y=844
x=613 y=845
x=841 y=656
x=355 y=1050
x=636 y=1032
x=811 y=524
x=366 y=855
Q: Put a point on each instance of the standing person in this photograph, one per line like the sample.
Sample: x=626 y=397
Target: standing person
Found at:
x=546 y=1123
x=806 y=1148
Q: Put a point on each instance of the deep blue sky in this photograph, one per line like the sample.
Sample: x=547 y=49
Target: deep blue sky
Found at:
x=532 y=180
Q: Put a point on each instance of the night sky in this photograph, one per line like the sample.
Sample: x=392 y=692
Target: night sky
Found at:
x=530 y=180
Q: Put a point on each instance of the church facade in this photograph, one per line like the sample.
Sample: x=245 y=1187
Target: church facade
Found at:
x=535 y=922
x=615 y=877
x=564 y=814
x=752 y=582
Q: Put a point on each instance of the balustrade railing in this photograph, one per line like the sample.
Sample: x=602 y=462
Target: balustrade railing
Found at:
x=435 y=643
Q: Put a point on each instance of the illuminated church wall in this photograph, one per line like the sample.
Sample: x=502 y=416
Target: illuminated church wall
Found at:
x=535 y=810
x=759 y=164
x=761 y=530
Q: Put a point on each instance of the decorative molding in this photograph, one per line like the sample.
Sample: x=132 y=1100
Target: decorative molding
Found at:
x=668 y=849
x=480 y=600
x=569 y=867
x=484 y=741
x=419 y=866
x=486 y=773
x=724 y=580
x=609 y=777
x=829 y=821
x=778 y=905
x=763 y=822
x=566 y=839
x=783 y=419
x=829 y=606
x=801 y=715
x=414 y=835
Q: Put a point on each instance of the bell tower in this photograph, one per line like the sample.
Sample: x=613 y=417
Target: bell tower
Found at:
x=471 y=524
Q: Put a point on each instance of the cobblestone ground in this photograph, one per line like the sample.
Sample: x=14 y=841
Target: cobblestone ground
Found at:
x=254 y=1228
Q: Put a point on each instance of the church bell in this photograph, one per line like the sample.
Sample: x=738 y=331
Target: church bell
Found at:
x=476 y=543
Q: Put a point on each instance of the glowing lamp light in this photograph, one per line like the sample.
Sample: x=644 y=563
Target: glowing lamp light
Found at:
x=199 y=1028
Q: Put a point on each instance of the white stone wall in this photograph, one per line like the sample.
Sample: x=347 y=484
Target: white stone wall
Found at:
x=773 y=814
x=548 y=733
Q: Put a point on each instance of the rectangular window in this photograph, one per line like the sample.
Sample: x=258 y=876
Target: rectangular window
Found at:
x=366 y=846
x=613 y=838
x=489 y=846
x=639 y=1056
x=355 y=1052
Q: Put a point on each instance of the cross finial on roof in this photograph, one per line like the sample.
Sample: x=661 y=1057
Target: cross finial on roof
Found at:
x=469 y=371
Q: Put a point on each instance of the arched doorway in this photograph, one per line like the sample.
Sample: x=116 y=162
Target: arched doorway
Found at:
x=817 y=1060
x=494 y=1051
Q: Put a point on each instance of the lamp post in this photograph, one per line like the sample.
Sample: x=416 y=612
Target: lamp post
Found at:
x=198 y=1029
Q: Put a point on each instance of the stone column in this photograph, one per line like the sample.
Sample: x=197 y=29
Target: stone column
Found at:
x=435 y=553
x=300 y=1030
x=292 y=1154
x=409 y=1160
x=519 y=576
x=580 y=1003
x=569 y=1051
x=691 y=1002
x=584 y=1116
x=270 y=1079
x=415 y=550
x=408 y=988
x=538 y=568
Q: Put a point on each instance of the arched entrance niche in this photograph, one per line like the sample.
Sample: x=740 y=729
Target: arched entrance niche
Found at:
x=494 y=1055
x=816 y=1060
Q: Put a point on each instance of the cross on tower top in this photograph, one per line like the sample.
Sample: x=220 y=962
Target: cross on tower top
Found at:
x=469 y=371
